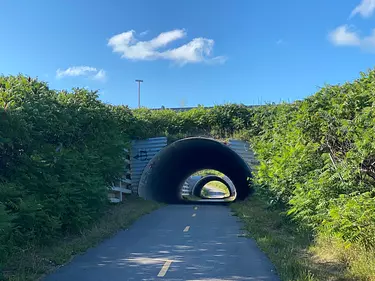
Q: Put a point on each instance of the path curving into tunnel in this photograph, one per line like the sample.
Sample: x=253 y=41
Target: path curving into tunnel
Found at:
x=198 y=187
x=166 y=172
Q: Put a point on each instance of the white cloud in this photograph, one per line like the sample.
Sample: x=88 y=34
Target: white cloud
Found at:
x=87 y=71
x=195 y=51
x=101 y=75
x=75 y=71
x=217 y=60
x=366 y=8
x=343 y=36
x=144 y=33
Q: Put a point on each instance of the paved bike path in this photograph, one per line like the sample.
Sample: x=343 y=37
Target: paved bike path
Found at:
x=176 y=242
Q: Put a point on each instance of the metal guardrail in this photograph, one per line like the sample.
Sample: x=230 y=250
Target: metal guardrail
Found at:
x=123 y=185
x=189 y=184
x=185 y=189
x=181 y=109
x=244 y=150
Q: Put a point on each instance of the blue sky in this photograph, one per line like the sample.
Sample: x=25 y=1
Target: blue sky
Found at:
x=189 y=52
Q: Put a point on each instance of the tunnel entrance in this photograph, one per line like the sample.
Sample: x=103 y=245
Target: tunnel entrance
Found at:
x=166 y=172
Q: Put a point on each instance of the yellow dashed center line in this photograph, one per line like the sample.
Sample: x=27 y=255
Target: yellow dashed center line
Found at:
x=194 y=215
x=164 y=269
x=186 y=229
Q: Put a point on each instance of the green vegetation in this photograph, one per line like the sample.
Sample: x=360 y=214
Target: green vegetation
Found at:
x=219 y=122
x=32 y=262
x=208 y=172
x=317 y=163
x=205 y=193
x=285 y=243
x=61 y=150
x=59 y=153
x=294 y=250
x=317 y=158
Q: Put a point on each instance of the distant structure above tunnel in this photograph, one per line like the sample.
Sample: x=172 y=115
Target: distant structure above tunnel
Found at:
x=181 y=109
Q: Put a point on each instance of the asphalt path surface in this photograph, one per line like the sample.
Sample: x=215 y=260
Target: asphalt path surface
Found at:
x=176 y=242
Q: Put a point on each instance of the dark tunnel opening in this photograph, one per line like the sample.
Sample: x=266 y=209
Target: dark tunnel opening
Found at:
x=166 y=172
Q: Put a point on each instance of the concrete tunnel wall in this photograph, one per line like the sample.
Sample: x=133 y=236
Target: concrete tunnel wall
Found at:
x=197 y=189
x=164 y=175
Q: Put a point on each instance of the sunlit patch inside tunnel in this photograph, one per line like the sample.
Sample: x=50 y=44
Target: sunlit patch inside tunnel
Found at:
x=166 y=174
x=215 y=190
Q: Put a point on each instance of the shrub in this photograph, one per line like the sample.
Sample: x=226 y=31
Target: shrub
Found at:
x=59 y=153
x=317 y=157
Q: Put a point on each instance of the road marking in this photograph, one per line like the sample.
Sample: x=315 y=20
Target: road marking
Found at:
x=164 y=269
x=195 y=208
x=186 y=229
x=194 y=215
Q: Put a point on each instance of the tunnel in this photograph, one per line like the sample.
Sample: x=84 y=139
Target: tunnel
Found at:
x=166 y=172
x=203 y=181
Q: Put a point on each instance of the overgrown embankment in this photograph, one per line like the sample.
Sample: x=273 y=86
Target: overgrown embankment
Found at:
x=298 y=252
x=317 y=163
x=59 y=152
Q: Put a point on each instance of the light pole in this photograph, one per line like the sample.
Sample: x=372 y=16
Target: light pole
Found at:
x=139 y=92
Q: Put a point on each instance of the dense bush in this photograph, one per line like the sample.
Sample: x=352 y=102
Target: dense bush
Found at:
x=318 y=157
x=59 y=152
x=220 y=121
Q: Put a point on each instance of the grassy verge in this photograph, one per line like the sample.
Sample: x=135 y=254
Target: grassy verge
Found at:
x=296 y=254
x=33 y=262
